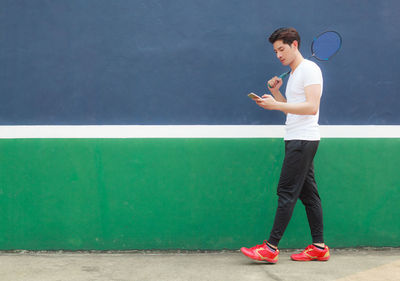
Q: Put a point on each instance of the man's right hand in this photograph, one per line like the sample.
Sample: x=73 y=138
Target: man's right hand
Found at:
x=274 y=84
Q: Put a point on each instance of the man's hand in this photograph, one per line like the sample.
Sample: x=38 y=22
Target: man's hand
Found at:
x=267 y=102
x=274 y=84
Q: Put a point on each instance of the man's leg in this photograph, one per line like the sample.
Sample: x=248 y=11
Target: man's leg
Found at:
x=299 y=155
x=312 y=202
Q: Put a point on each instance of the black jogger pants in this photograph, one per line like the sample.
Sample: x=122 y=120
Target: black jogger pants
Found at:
x=297 y=181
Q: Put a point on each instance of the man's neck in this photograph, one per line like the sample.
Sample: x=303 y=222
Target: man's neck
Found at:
x=295 y=63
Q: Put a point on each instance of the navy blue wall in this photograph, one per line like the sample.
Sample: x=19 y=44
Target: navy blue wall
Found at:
x=187 y=62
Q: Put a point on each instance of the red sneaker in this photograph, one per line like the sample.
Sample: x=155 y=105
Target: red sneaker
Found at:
x=312 y=253
x=261 y=253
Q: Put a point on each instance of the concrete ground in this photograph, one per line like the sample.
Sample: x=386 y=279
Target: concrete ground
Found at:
x=344 y=265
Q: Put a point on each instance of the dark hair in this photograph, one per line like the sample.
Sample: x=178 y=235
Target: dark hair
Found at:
x=286 y=34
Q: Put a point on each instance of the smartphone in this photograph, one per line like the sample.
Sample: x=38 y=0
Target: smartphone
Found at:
x=254 y=96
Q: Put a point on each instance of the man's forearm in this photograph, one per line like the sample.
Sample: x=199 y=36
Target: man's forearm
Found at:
x=303 y=108
x=279 y=97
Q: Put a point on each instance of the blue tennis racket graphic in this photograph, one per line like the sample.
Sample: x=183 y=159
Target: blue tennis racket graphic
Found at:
x=323 y=47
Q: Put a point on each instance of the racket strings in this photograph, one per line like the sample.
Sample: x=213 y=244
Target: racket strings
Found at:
x=326 y=45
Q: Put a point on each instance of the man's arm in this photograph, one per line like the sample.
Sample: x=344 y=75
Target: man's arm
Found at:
x=279 y=97
x=309 y=107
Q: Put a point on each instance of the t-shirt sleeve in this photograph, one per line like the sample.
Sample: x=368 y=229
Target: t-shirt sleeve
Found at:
x=312 y=75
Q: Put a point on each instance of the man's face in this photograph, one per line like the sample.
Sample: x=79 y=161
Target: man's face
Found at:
x=284 y=52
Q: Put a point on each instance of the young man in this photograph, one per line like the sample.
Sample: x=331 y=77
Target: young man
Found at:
x=303 y=94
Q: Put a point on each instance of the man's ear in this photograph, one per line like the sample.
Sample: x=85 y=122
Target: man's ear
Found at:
x=296 y=44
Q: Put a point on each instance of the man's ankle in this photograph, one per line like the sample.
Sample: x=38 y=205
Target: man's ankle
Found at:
x=319 y=245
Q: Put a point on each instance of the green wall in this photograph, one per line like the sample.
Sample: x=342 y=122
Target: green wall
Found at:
x=121 y=194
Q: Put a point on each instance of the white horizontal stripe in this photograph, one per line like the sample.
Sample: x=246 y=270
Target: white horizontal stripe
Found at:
x=189 y=131
x=384 y=131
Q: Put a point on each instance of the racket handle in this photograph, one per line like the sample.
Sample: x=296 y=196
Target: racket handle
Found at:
x=282 y=76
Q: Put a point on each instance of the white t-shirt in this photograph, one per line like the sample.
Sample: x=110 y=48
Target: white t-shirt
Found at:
x=302 y=127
